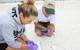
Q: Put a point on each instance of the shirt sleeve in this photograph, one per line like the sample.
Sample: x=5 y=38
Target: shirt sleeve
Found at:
x=7 y=34
x=52 y=19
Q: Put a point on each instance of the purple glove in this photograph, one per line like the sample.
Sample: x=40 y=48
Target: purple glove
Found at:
x=46 y=32
x=32 y=45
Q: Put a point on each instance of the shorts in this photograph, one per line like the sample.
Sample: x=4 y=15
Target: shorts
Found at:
x=3 y=46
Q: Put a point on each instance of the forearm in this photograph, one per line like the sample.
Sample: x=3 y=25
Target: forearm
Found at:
x=39 y=26
x=23 y=37
x=22 y=47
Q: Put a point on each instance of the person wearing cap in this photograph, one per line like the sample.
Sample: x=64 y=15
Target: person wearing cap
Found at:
x=12 y=28
x=45 y=20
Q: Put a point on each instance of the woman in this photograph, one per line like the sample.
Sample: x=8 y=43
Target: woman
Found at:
x=12 y=27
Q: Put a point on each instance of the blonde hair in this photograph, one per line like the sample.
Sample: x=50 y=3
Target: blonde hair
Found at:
x=28 y=9
x=30 y=2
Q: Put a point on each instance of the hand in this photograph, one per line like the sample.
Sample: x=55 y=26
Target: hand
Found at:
x=50 y=34
x=23 y=47
x=22 y=38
